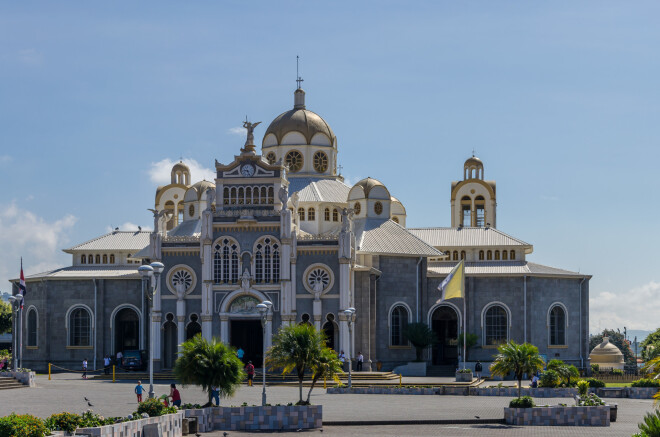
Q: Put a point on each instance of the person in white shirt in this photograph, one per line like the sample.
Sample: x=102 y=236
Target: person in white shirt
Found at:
x=360 y=360
x=106 y=364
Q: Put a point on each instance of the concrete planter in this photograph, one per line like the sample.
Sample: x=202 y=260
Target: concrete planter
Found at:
x=558 y=416
x=413 y=368
x=25 y=378
x=170 y=425
x=463 y=377
x=273 y=418
x=384 y=390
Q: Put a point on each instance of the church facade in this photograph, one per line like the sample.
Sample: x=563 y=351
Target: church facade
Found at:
x=281 y=225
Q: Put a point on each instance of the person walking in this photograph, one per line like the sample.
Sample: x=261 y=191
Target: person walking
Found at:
x=138 y=391
x=240 y=353
x=119 y=357
x=106 y=364
x=342 y=358
x=84 y=368
x=477 y=369
x=249 y=369
x=360 y=360
x=215 y=393
x=175 y=395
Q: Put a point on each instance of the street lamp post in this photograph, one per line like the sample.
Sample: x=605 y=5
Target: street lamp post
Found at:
x=264 y=309
x=152 y=272
x=350 y=318
x=16 y=304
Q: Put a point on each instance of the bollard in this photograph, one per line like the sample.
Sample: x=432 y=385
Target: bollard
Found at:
x=49 y=371
x=399 y=381
x=113 y=372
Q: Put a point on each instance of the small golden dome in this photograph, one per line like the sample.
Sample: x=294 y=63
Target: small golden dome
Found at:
x=367 y=184
x=473 y=161
x=180 y=166
x=606 y=353
x=199 y=189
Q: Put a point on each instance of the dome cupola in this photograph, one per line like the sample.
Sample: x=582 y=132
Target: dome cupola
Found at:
x=181 y=174
x=473 y=168
x=607 y=355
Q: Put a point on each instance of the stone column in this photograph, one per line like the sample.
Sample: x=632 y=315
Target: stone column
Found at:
x=157 y=333
x=318 y=313
x=180 y=330
x=224 y=328
x=207 y=326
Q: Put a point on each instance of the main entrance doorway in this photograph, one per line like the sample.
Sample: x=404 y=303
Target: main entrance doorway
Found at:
x=444 y=322
x=127 y=330
x=248 y=335
x=169 y=342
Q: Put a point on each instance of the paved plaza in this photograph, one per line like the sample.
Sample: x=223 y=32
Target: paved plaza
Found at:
x=66 y=392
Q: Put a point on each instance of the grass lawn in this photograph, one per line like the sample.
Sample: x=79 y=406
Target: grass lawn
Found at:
x=617 y=384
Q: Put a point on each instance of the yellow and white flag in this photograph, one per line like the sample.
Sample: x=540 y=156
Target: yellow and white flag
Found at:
x=454 y=284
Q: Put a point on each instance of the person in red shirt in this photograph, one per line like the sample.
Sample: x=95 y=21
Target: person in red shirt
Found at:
x=174 y=394
x=250 y=372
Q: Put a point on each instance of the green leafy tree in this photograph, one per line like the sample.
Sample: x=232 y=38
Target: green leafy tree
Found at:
x=420 y=336
x=327 y=365
x=650 y=347
x=517 y=359
x=565 y=371
x=296 y=348
x=617 y=339
x=5 y=317
x=209 y=364
x=470 y=342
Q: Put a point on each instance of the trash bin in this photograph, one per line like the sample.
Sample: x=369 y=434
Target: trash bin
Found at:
x=192 y=425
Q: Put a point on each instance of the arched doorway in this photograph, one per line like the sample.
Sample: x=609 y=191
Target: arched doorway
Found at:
x=169 y=342
x=444 y=322
x=127 y=330
x=245 y=328
x=330 y=331
x=193 y=327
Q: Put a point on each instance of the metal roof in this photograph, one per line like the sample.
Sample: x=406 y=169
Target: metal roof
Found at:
x=471 y=237
x=116 y=240
x=497 y=268
x=95 y=272
x=385 y=237
x=319 y=190
x=187 y=228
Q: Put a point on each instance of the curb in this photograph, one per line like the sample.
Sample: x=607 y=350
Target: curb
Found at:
x=412 y=422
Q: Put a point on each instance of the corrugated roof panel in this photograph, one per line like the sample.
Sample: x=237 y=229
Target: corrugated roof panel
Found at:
x=113 y=272
x=116 y=240
x=319 y=190
x=386 y=237
x=473 y=237
x=500 y=268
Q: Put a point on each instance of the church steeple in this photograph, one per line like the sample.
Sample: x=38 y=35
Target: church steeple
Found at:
x=473 y=200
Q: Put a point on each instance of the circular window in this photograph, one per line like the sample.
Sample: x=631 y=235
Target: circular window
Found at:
x=181 y=279
x=357 y=208
x=294 y=160
x=378 y=208
x=320 y=162
x=191 y=210
x=271 y=158
x=318 y=279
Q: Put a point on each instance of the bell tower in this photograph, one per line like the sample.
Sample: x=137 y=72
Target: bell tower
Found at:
x=473 y=200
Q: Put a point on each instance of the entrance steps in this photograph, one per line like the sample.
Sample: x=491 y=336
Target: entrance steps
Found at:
x=7 y=383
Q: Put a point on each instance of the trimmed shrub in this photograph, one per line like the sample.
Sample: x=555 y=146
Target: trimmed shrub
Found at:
x=68 y=422
x=590 y=401
x=24 y=425
x=594 y=383
x=153 y=407
x=595 y=368
x=523 y=402
x=464 y=371
x=646 y=382
x=549 y=378
x=583 y=387
x=617 y=372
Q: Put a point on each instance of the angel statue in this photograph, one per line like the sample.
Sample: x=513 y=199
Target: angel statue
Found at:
x=250 y=132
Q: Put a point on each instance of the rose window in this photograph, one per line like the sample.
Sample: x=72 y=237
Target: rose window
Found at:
x=294 y=160
x=317 y=276
x=182 y=277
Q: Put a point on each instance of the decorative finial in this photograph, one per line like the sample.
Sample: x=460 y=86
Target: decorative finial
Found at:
x=473 y=152
x=299 y=79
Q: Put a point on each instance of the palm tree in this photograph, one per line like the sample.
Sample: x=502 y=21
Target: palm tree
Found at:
x=209 y=364
x=565 y=371
x=517 y=358
x=327 y=365
x=296 y=347
x=420 y=336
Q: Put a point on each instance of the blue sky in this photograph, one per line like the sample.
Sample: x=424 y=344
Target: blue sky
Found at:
x=560 y=100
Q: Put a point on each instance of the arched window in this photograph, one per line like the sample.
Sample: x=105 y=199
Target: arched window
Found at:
x=270 y=195
x=241 y=195
x=481 y=255
x=496 y=325
x=105 y=259
x=326 y=215
x=512 y=255
x=497 y=255
x=557 y=326
x=80 y=327
x=112 y=258
x=462 y=254
x=98 y=259
x=233 y=196
x=267 y=261
x=398 y=322
x=505 y=255
x=264 y=195
x=83 y=259
x=301 y=214
x=335 y=215
x=305 y=319
x=32 y=326
x=225 y=261
x=480 y=210
x=489 y=255
x=455 y=255
x=311 y=214
x=395 y=219
x=248 y=196
x=466 y=211
x=225 y=196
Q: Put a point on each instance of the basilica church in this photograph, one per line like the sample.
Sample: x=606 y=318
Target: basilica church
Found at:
x=280 y=224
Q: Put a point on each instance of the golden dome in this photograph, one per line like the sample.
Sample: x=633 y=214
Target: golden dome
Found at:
x=301 y=120
x=181 y=174
x=180 y=166
x=201 y=187
x=473 y=161
x=367 y=184
x=606 y=353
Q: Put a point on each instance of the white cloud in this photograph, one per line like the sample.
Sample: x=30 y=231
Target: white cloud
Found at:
x=37 y=240
x=161 y=172
x=30 y=57
x=128 y=226
x=637 y=308
x=240 y=131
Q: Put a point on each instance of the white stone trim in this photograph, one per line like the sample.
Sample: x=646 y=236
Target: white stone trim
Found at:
x=459 y=314
x=91 y=322
x=483 y=316
x=547 y=326
x=389 y=319
x=121 y=307
x=226 y=302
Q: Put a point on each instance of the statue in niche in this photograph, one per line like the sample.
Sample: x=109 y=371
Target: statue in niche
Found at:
x=210 y=195
x=346 y=218
x=180 y=287
x=283 y=195
x=245 y=280
x=318 y=289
